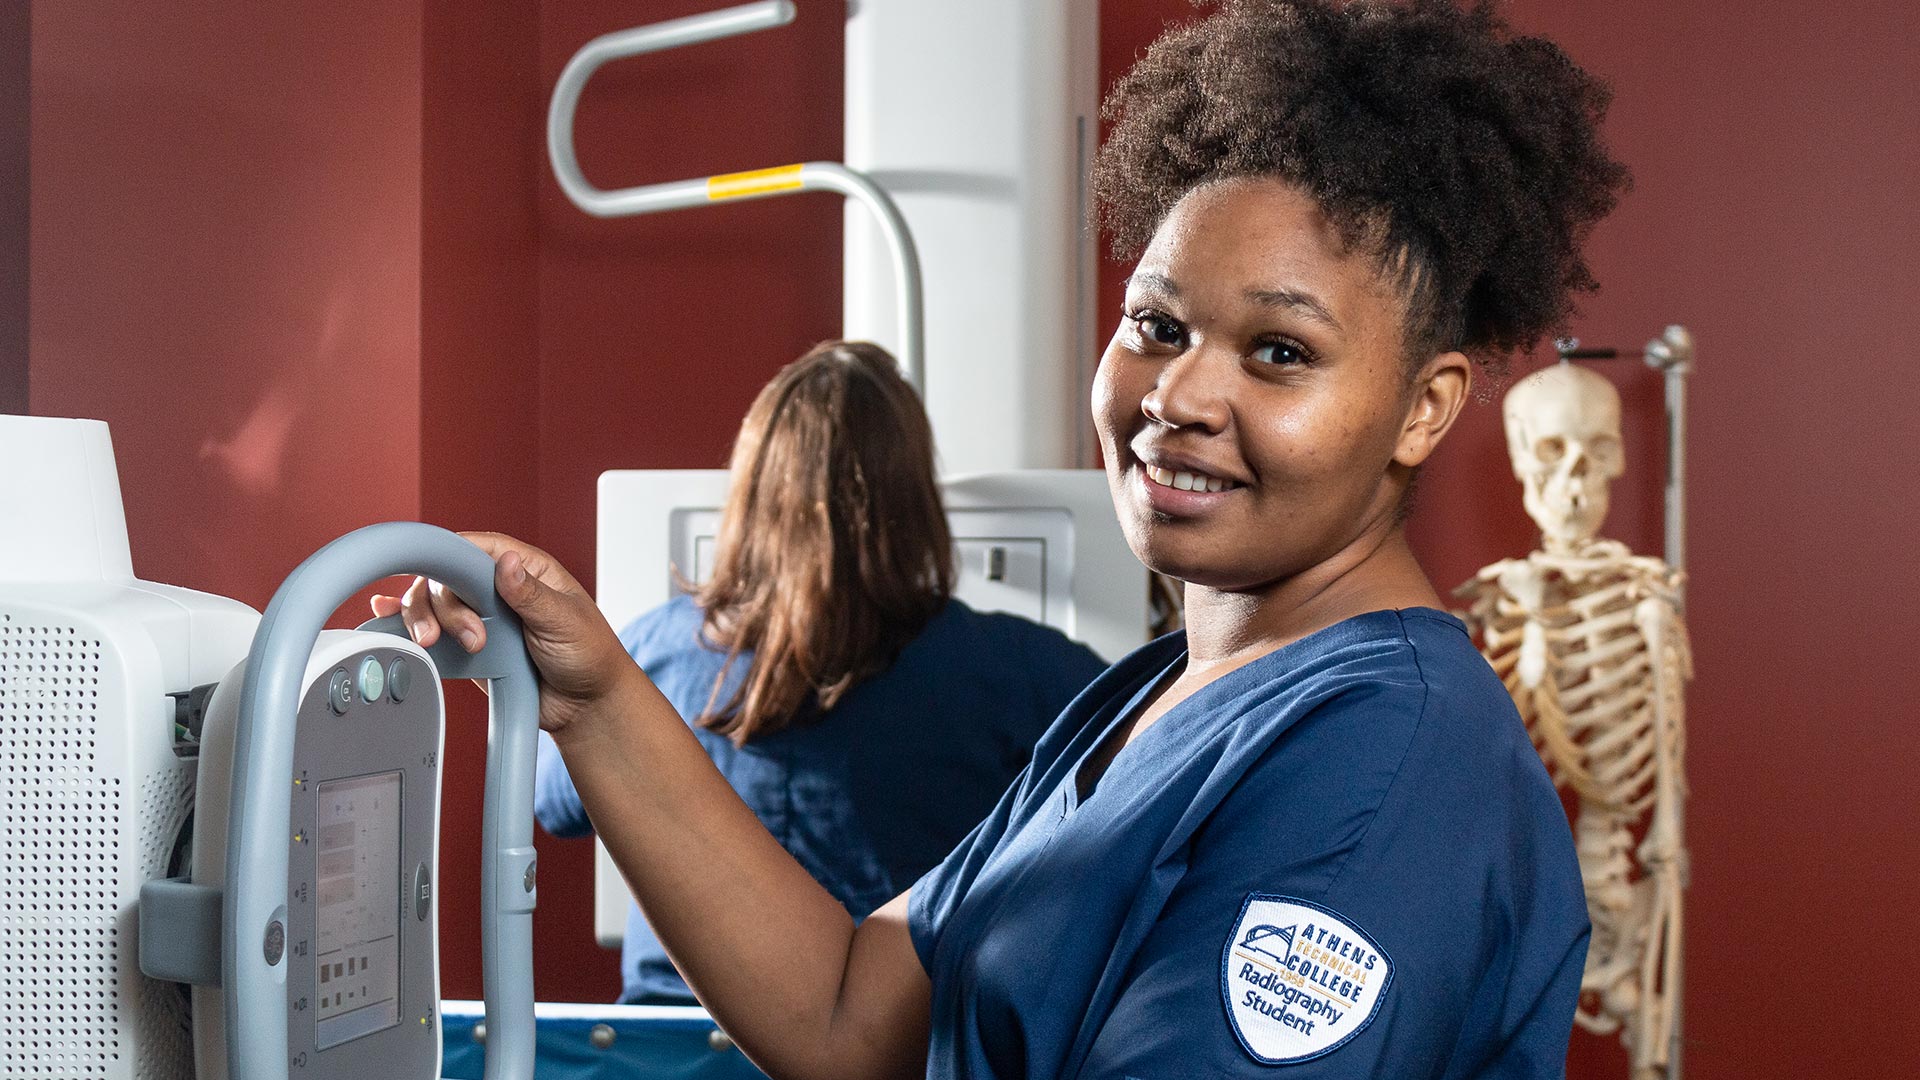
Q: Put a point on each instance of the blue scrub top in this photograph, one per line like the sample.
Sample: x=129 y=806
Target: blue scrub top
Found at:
x=1343 y=859
x=873 y=793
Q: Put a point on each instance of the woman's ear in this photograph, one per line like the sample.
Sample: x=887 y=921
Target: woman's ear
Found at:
x=1438 y=393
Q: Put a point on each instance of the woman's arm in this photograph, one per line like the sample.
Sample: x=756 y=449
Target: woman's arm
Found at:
x=556 y=805
x=770 y=953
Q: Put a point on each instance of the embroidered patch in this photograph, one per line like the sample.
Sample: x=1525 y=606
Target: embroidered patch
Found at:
x=1299 y=980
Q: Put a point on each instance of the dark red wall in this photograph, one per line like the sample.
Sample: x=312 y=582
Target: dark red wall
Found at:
x=16 y=117
x=226 y=267
x=481 y=123
x=313 y=269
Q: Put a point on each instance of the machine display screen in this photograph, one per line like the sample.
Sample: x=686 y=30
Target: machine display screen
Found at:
x=357 y=909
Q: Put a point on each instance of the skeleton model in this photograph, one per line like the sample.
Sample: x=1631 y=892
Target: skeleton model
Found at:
x=1589 y=641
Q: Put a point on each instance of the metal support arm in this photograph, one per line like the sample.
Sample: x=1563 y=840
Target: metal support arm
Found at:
x=754 y=184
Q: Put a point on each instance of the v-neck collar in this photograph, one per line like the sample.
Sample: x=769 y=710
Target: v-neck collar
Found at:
x=1135 y=701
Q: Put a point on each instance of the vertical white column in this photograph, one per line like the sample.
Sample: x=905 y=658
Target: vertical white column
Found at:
x=979 y=118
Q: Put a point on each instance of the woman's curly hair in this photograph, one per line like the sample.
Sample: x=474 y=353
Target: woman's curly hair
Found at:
x=1466 y=158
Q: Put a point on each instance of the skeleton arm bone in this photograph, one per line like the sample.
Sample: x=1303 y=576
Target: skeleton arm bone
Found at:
x=1663 y=852
x=1667 y=644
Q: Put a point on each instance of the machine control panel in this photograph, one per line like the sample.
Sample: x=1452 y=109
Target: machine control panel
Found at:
x=362 y=963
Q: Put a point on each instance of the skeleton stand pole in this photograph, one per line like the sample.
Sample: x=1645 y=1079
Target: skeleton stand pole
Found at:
x=1672 y=354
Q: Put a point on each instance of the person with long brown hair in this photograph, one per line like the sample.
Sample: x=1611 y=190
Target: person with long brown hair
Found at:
x=868 y=717
x=1306 y=836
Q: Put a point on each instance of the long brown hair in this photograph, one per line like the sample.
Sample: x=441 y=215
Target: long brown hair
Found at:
x=833 y=549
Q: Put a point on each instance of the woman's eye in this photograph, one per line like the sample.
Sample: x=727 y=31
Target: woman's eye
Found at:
x=1159 y=329
x=1281 y=352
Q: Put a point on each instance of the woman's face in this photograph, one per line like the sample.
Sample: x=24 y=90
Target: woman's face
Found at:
x=1254 y=400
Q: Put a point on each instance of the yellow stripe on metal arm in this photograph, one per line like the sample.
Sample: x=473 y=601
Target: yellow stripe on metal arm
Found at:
x=755 y=182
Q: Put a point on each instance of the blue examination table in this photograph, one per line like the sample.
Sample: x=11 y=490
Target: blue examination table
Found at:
x=603 y=1042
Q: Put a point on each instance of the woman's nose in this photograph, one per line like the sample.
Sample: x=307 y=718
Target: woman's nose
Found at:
x=1190 y=392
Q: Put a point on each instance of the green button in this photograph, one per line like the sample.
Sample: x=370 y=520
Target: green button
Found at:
x=373 y=679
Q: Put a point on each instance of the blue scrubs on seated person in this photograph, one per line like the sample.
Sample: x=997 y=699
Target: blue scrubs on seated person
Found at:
x=1343 y=859
x=876 y=791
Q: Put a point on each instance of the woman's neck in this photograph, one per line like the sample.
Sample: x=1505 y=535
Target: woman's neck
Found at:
x=1231 y=627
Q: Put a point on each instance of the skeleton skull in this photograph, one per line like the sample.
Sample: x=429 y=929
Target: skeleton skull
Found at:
x=1563 y=435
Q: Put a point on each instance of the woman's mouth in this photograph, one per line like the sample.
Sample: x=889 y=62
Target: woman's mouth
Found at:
x=1187 y=481
x=1181 y=493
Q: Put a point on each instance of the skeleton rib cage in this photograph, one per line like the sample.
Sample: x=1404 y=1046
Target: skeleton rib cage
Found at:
x=1590 y=645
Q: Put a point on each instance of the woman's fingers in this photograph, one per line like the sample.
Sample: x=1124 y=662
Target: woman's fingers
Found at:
x=539 y=565
x=416 y=613
x=578 y=655
x=429 y=608
x=523 y=589
x=457 y=618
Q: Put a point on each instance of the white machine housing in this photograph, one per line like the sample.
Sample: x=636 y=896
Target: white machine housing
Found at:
x=980 y=120
x=93 y=796
x=1042 y=543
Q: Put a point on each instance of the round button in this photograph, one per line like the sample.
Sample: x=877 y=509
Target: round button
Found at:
x=400 y=679
x=275 y=943
x=373 y=680
x=340 y=691
x=422 y=893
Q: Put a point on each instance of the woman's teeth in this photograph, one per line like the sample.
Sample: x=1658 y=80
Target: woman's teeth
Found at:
x=1186 y=481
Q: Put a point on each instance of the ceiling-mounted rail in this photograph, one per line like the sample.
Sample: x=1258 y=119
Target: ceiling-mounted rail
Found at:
x=753 y=184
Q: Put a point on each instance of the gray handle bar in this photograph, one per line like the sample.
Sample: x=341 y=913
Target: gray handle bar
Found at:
x=256 y=896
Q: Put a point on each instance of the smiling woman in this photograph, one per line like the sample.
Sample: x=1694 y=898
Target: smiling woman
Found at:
x=1262 y=359
x=1310 y=829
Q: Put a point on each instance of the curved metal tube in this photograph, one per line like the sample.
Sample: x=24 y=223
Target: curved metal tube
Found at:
x=910 y=303
x=258 y=816
x=756 y=184
x=620 y=45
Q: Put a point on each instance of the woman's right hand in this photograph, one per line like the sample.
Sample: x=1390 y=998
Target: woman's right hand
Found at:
x=579 y=657
x=844 y=1000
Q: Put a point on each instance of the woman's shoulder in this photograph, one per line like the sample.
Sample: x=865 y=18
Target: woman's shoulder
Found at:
x=1396 y=718
x=1459 y=683
x=1371 y=690
x=1001 y=637
x=1442 y=718
x=671 y=629
x=1411 y=655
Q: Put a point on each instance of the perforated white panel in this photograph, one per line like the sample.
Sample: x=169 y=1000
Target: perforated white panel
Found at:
x=165 y=1028
x=72 y=1003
